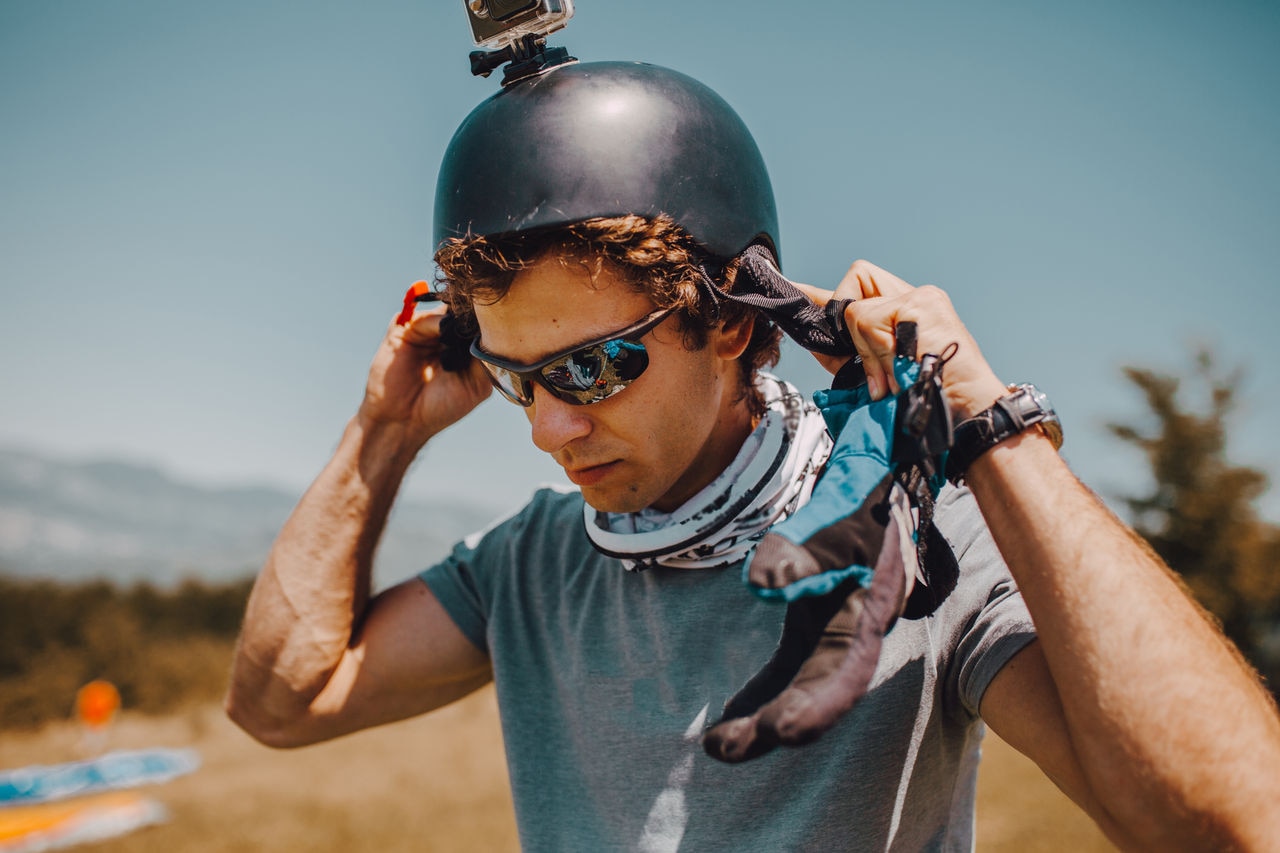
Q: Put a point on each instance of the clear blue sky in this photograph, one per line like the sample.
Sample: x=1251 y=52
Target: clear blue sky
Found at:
x=209 y=212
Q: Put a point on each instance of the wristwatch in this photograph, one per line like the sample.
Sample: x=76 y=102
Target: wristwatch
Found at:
x=1024 y=407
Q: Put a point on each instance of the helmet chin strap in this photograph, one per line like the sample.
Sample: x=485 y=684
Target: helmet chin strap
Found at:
x=761 y=285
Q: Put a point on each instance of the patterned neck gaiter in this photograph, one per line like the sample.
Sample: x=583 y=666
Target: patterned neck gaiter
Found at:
x=771 y=477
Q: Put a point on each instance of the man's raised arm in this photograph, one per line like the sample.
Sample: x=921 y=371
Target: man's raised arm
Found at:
x=1132 y=701
x=316 y=657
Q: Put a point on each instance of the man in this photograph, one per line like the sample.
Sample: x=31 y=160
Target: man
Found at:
x=605 y=197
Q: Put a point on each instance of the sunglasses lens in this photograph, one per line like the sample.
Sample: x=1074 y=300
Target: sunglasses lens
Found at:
x=588 y=374
x=575 y=372
x=509 y=384
x=596 y=372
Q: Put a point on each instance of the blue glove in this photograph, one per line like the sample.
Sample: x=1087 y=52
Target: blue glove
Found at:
x=845 y=563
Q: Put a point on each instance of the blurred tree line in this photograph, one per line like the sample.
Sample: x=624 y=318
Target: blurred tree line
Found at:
x=1200 y=514
x=161 y=648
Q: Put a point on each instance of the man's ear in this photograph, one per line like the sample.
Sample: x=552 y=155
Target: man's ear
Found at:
x=732 y=336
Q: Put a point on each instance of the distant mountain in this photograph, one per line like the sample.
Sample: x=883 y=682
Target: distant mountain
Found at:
x=124 y=521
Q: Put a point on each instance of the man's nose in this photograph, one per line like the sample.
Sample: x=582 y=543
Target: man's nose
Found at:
x=556 y=423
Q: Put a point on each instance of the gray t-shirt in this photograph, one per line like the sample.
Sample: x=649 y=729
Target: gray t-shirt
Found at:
x=606 y=680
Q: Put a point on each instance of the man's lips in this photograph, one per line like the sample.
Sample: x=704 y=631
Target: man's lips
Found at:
x=589 y=475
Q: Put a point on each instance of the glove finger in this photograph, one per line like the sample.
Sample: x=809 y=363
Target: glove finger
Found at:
x=734 y=738
x=839 y=671
x=771 y=680
x=827 y=654
x=829 y=555
x=831 y=682
x=778 y=562
x=738 y=740
x=807 y=706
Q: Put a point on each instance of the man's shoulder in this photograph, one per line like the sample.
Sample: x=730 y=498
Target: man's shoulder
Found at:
x=547 y=527
x=981 y=574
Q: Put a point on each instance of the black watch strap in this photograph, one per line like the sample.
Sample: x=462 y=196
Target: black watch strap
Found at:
x=1024 y=407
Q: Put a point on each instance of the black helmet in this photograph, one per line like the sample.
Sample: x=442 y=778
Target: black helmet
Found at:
x=607 y=139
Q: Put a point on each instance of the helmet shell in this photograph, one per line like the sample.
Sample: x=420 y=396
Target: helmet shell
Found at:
x=606 y=139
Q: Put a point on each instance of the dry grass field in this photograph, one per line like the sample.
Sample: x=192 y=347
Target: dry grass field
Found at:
x=424 y=785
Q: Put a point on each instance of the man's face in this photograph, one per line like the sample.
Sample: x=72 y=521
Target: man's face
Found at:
x=658 y=441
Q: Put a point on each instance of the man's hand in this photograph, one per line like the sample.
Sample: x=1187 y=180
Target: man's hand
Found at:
x=408 y=386
x=881 y=302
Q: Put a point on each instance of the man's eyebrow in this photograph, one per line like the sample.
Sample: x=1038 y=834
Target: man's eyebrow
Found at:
x=548 y=355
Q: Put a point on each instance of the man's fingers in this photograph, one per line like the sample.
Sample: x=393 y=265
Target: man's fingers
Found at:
x=875 y=373
x=865 y=280
x=871 y=318
x=818 y=295
x=870 y=323
x=423 y=328
x=881 y=300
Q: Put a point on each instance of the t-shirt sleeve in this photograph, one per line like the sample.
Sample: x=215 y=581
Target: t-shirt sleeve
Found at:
x=1001 y=630
x=455 y=586
x=473 y=576
x=988 y=623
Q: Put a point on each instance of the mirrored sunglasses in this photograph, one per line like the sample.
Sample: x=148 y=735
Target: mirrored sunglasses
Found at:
x=585 y=374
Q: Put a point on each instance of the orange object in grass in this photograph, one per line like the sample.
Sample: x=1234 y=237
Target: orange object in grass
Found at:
x=97 y=703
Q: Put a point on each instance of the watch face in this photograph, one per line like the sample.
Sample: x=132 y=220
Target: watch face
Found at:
x=1045 y=416
x=1041 y=398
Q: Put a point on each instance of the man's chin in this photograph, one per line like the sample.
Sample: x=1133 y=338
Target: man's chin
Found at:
x=611 y=500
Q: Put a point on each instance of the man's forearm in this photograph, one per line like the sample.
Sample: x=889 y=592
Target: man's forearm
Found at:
x=1174 y=734
x=315 y=584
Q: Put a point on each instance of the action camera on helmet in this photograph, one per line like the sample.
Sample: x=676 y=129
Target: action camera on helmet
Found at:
x=496 y=24
x=517 y=31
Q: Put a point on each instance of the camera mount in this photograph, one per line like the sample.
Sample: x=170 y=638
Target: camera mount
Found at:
x=525 y=57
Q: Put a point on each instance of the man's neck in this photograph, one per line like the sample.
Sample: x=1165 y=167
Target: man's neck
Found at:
x=717 y=454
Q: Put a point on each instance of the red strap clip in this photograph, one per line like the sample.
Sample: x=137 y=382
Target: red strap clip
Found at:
x=415 y=294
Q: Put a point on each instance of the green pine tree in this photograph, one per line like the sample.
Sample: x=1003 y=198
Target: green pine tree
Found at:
x=1200 y=514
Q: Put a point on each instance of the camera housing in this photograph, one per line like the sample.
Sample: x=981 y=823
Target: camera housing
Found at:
x=497 y=24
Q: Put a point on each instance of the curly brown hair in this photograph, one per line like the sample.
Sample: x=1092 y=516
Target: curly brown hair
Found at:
x=654 y=255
